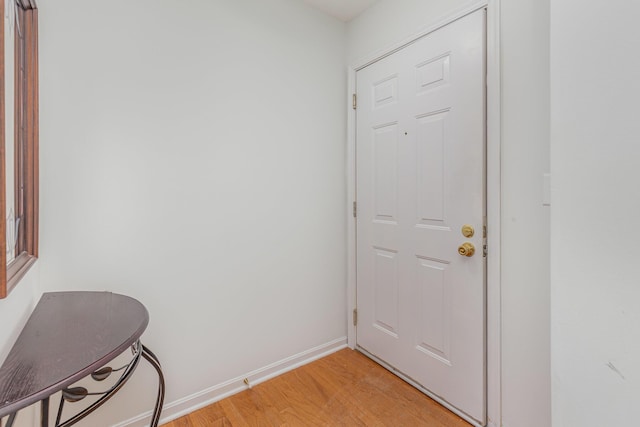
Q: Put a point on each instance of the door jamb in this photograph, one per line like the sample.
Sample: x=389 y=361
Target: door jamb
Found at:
x=493 y=171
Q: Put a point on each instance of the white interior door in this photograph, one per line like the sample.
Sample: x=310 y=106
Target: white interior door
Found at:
x=420 y=150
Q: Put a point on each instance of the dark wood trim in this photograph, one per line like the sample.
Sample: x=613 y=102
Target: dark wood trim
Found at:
x=3 y=204
x=26 y=148
x=27 y=4
x=18 y=268
x=34 y=161
x=19 y=126
x=29 y=151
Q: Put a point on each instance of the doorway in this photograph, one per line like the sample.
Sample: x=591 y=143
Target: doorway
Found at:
x=421 y=213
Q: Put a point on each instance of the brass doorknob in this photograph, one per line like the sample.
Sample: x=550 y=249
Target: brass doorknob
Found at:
x=467 y=249
x=468 y=231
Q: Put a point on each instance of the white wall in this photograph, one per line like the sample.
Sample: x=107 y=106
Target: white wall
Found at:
x=525 y=157
x=16 y=309
x=388 y=22
x=596 y=205
x=192 y=156
x=526 y=383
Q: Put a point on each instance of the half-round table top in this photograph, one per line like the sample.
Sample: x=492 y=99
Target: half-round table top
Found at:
x=68 y=336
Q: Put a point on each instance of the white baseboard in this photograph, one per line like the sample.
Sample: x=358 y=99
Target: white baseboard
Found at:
x=198 y=400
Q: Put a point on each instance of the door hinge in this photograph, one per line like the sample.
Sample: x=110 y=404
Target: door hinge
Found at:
x=355 y=209
x=355 y=317
x=355 y=101
x=485 y=251
x=484 y=231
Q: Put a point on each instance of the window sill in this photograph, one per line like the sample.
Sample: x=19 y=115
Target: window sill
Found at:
x=18 y=268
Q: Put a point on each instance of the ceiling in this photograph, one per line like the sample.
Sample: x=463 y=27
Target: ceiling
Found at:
x=344 y=10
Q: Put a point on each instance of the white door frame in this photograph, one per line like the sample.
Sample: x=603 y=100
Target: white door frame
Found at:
x=493 y=110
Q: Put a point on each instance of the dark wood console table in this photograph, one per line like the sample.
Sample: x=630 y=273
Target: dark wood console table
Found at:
x=69 y=336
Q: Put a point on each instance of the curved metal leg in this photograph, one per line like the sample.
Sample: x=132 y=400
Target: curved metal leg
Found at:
x=139 y=350
x=59 y=416
x=153 y=360
x=11 y=419
x=44 y=412
x=131 y=367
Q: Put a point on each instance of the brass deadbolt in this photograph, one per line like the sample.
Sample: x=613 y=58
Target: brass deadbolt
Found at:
x=468 y=231
x=467 y=249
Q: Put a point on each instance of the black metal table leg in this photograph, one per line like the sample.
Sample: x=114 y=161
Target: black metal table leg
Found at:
x=44 y=412
x=130 y=368
x=153 y=360
x=11 y=419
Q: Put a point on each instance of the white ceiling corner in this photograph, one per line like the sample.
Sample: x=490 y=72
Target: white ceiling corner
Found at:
x=344 y=10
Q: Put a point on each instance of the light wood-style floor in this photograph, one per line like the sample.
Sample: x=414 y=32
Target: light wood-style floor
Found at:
x=342 y=389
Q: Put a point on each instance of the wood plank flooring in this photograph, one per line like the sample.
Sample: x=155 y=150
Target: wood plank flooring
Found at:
x=342 y=389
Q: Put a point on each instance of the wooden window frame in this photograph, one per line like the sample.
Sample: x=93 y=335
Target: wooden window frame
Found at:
x=26 y=160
